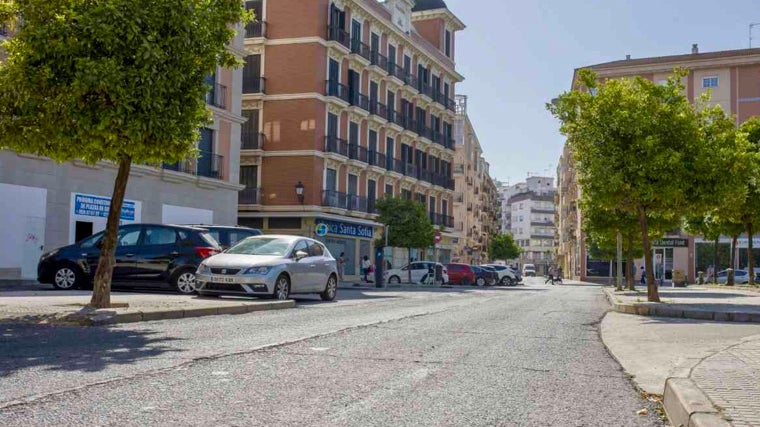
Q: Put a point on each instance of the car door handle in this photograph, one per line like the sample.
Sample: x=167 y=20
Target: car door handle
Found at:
x=313 y=266
x=129 y=255
x=175 y=253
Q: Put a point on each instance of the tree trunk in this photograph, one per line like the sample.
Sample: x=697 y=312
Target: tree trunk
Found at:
x=750 y=256
x=652 y=292
x=733 y=251
x=716 y=268
x=409 y=270
x=630 y=280
x=101 y=291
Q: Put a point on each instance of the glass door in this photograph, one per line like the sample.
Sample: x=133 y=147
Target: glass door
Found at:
x=663 y=264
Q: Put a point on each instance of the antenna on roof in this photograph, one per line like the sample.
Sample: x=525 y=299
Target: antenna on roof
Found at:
x=751 y=26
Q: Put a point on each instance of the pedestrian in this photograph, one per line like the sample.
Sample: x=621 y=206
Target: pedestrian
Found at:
x=366 y=265
x=643 y=275
x=559 y=275
x=341 y=265
x=550 y=276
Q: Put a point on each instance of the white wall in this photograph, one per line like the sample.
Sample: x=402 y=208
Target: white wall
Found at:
x=171 y=214
x=21 y=207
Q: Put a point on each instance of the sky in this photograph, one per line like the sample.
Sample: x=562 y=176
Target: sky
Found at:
x=518 y=55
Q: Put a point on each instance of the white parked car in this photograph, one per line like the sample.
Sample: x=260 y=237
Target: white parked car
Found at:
x=740 y=276
x=420 y=271
x=506 y=276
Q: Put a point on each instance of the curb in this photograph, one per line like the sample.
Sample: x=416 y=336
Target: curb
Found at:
x=687 y=406
x=667 y=310
x=89 y=317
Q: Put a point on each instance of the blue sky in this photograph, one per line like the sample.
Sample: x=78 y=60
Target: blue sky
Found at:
x=517 y=55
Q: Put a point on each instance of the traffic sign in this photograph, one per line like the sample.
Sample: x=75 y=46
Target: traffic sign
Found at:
x=437 y=237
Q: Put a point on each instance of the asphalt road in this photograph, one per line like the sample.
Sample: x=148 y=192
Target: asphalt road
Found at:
x=529 y=355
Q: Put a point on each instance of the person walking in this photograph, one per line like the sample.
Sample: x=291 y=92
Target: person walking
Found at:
x=643 y=275
x=550 y=276
x=559 y=275
x=366 y=265
x=341 y=265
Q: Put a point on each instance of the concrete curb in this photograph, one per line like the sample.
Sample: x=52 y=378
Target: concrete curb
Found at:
x=89 y=317
x=668 y=310
x=687 y=406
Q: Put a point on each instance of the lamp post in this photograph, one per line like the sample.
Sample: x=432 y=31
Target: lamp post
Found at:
x=299 y=192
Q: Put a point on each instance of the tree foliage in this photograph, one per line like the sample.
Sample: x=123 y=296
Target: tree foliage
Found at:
x=503 y=247
x=409 y=224
x=118 y=80
x=642 y=149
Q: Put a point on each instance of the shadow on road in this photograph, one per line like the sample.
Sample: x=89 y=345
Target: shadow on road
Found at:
x=71 y=348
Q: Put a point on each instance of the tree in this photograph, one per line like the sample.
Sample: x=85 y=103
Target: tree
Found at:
x=407 y=223
x=641 y=148
x=749 y=133
x=503 y=247
x=117 y=80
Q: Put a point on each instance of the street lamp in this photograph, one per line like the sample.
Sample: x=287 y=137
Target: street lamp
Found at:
x=299 y=192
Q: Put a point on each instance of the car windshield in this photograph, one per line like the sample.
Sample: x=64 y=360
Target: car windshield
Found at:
x=261 y=246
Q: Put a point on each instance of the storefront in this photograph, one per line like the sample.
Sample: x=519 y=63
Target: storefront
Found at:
x=353 y=239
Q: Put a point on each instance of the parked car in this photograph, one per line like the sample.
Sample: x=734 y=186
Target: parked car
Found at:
x=461 y=274
x=274 y=265
x=485 y=275
x=229 y=236
x=146 y=255
x=529 y=270
x=420 y=271
x=740 y=276
x=506 y=275
x=516 y=272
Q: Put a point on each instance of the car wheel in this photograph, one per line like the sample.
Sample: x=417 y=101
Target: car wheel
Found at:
x=331 y=289
x=184 y=281
x=505 y=281
x=394 y=280
x=282 y=288
x=66 y=277
x=480 y=281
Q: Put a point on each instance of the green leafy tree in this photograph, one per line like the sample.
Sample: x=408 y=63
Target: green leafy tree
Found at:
x=503 y=247
x=407 y=223
x=116 y=80
x=749 y=133
x=641 y=148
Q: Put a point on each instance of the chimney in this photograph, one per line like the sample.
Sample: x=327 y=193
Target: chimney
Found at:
x=695 y=49
x=628 y=57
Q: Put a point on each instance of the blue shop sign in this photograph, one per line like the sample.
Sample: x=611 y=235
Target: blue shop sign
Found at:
x=346 y=228
x=98 y=206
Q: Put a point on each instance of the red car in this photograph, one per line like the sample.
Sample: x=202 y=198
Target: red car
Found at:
x=461 y=274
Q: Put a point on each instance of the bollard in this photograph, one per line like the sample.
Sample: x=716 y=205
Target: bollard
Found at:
x=730 y=278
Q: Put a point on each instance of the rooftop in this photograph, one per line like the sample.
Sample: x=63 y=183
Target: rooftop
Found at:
x=421 y=5
x=676 y=58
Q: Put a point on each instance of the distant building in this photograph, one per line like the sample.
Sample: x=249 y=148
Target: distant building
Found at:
x=528 y=214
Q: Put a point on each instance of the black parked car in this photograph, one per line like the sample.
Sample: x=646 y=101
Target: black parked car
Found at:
x=146 y=255
x=228 y=236
x=485 y=276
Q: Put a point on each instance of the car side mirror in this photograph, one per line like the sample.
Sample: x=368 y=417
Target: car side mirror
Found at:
x=99 y=244
x=301 y=255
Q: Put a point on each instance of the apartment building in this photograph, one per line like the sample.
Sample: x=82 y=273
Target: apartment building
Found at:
x=732 y=78
x=347 y=101
x=476 y=202
x=529 y=210
x=57 y=204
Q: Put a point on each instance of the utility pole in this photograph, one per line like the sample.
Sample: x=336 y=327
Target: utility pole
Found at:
x=751 y=26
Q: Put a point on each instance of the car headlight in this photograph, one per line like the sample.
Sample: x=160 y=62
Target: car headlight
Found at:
x=204 y=269
x=262 y=271
x=50 y=254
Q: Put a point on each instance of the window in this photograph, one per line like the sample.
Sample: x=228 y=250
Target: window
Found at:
x=709 y=82
x=249 y=176
x=128 y=237
x=236 y=236
x=301 y=246
x=447 y=44
x=160 y=236
x=315 y=249
x=389 y=190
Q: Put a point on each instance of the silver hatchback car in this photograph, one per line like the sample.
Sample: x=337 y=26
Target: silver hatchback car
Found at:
x=270 y=265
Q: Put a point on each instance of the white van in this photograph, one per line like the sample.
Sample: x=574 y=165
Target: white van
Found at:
x=529 y=270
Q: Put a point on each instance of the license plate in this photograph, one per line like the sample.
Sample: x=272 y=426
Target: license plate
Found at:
x=223 y=280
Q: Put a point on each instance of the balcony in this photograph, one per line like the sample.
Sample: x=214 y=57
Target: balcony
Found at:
x=357 y=152
x=254 y=85
x=250 y=196
x=217 y=96
x=377 y=159
x=394 y=165
x=398 y=72
x=378 y=109
x=333 y=144
x=440 y=219
x=256 y=29
x=252 y=141
x=207 y=164
x=351 y=202
x=396 y=118
x=459 y=197
x=337 y=90
x=379 y=60
x=357 y=99
x=361 y=49
x=425 y=89
x=339 y=35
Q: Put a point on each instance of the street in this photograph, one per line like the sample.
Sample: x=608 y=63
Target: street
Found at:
x=528 y=355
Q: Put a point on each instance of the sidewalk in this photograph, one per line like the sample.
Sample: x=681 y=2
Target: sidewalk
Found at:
x=70 y=307
x=694 y=302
